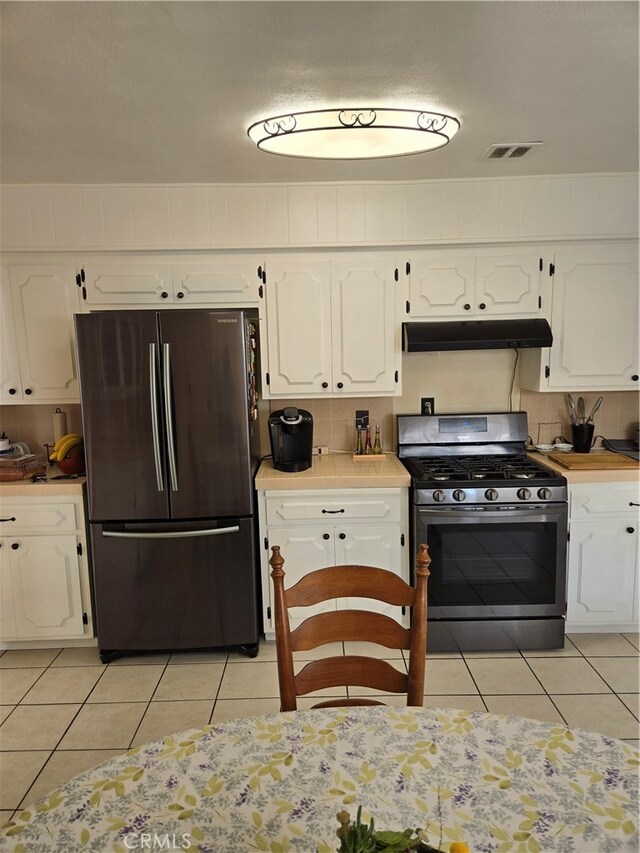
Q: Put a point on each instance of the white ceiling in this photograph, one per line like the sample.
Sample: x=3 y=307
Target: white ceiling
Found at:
x=162 y=92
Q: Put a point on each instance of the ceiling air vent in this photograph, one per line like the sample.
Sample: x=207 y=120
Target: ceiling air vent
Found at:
x=509 y=150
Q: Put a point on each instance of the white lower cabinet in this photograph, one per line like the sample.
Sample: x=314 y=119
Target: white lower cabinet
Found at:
x=602 y=570
x=44 y=576
x=315 y=529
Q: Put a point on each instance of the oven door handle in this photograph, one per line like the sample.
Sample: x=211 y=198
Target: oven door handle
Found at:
x=443 y=514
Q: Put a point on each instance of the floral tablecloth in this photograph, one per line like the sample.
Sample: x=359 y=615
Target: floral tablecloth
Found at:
x=275 y=783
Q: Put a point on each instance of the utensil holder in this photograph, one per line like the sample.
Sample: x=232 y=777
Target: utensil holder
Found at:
x=582 y=437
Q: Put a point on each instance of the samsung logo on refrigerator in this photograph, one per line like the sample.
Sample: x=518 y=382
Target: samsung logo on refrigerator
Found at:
x=226 y=320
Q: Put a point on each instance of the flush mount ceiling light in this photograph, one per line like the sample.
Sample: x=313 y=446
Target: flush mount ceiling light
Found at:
x=354 y=134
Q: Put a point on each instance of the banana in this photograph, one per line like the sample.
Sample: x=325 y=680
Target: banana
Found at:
x=62 y=439
x=66 y=446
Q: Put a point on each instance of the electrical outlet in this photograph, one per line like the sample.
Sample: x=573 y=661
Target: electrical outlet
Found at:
x=320 y=450
x=362 y=418
x=428 y=405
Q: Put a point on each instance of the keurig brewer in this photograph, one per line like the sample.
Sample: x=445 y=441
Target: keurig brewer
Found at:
x=291 y=436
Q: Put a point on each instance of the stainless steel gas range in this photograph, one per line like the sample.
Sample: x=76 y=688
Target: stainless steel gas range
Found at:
x=495 y=522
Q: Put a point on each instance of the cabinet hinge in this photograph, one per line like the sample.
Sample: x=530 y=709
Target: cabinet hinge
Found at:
x=82 y=275
x=541 y=264
x=260 y=291
x=408 y=268
x=78 y=282
x=404 y=610
x=568 y=535
x=539 y=301
x=84 y=293
x=264 y=275
x=407 y=306
x=396 y=275
x=552 y=269
x=85 y=618
x=268 y=379
x=266 y=544
x=79 y=549
x=268 y=613
x=402 y=539
x=395 y=376
x=546 y=371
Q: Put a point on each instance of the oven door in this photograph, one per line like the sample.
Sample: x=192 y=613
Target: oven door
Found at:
x=495 y=562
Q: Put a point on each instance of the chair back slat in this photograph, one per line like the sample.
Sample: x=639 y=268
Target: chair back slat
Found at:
x=351 y=581
x=350 y=670
x=338 y=625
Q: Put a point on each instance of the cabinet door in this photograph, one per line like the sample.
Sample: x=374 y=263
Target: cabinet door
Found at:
x=45 y=577
x=365 y=332
x=45 y=299
x=441 y=285
x=127 y=283
x=298 y=329
x=370 y=545
x=305 y=549
x=595 y=319
x=218 y=282
x=10 y=384
x=602 y=571
x=7 y=619
x=508 y=284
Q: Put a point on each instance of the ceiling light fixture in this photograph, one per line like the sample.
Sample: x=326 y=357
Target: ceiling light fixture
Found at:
x=354 y=134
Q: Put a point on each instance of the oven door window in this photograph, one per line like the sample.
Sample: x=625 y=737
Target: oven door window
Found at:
x=509 y=569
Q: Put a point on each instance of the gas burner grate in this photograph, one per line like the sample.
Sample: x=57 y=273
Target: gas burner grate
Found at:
x=474 y=468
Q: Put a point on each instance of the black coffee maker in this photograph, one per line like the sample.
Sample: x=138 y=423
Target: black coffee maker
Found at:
x=291 y=436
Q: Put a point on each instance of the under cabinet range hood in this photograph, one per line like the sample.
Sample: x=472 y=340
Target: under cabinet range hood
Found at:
x=475 y=334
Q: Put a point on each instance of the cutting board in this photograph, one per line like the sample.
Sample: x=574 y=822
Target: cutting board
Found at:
x=603 y=460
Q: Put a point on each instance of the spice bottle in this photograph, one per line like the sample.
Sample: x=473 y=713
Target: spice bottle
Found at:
x=359 y=448
x=367 y=444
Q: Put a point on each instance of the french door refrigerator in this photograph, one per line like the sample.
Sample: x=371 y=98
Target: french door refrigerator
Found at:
x=171 y=440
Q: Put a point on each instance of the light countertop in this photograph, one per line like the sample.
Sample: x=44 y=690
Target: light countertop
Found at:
x=25 y=488
x=597 y=475
x=337 y=471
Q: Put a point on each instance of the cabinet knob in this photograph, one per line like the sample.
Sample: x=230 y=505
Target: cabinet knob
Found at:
x=340 y=385
x=635 y=377
x=15 y=546
x=12 y=390
x=342 y=536
x=631 y=530
x=326 y=536
x=180 y=294
x=28 y=391
x=467 y=306
x=482 y=306
x=325 y=384
x=164 y=294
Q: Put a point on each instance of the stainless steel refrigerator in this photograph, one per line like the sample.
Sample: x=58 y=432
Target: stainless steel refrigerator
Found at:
x=171 y=439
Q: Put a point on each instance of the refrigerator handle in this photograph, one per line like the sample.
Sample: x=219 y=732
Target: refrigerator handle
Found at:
x=168 y=406
x=173 y=534
x=155 y=428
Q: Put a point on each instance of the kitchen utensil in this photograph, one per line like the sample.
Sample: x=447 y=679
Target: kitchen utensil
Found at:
x=582 y=435
x=596 y=406
x=572 y=409
x=603 y=460
x=581 y=417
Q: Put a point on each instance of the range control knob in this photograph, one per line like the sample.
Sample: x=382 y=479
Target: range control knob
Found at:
x=459 y=495
x=439 y=495
x=491 y=494
x=544 y=494
x=524 y=494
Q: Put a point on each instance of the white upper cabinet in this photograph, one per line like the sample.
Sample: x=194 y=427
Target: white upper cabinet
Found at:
x=38 y=353
x=121 y=281
x=501 y=282
x=594 y=323
x=332 y=327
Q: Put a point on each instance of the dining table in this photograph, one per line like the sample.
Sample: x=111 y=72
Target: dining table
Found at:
x=277 y=783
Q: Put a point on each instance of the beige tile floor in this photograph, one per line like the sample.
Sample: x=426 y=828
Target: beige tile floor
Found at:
x=62 y=711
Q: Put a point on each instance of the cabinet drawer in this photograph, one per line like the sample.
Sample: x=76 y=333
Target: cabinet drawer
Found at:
x=36 y=518
x=610 y=499
x=333 y=507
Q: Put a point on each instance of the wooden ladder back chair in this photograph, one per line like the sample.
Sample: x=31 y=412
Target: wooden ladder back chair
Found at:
x=359 y=625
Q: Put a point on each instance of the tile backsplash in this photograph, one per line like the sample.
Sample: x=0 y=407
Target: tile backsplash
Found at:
x=34 y=424
x=549 y=414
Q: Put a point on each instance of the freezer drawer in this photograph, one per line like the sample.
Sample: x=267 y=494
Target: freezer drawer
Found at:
x=175 y=585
